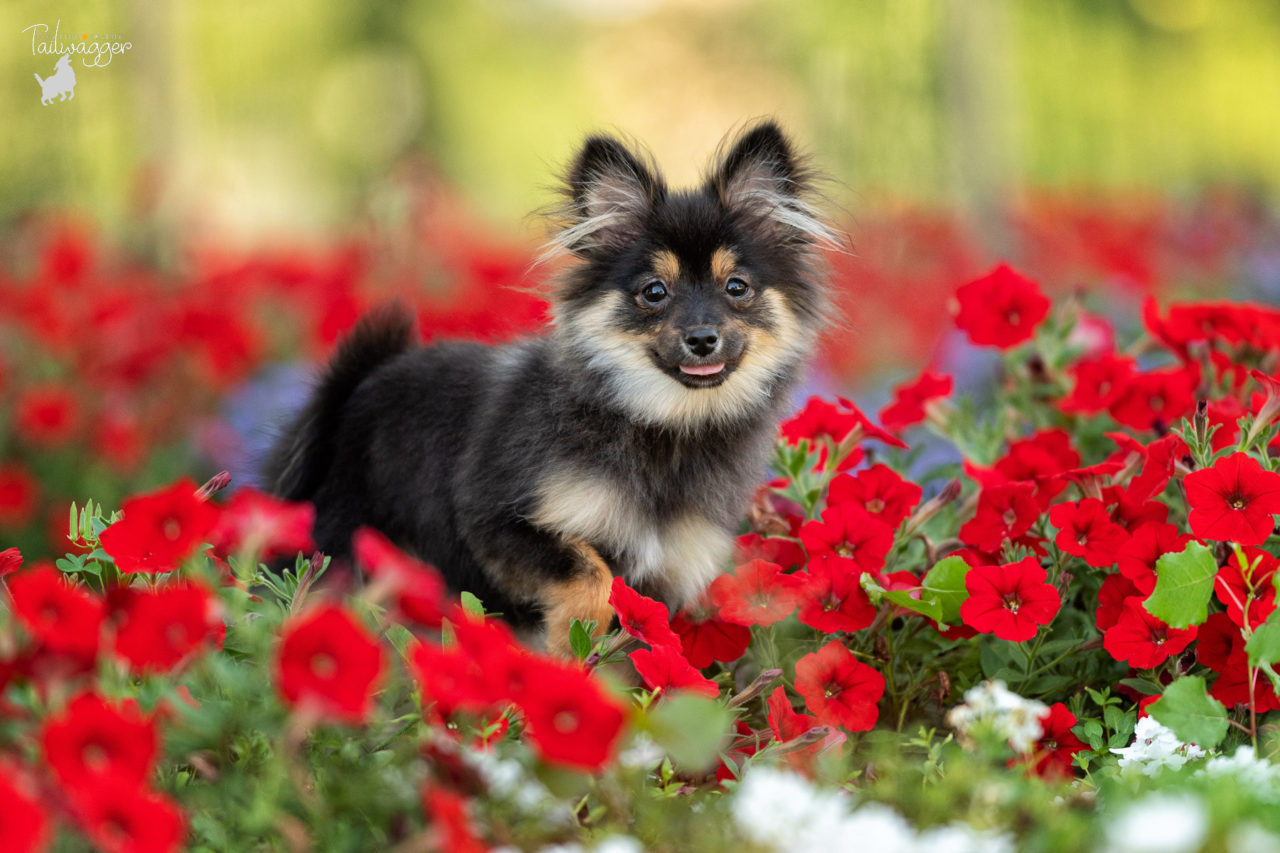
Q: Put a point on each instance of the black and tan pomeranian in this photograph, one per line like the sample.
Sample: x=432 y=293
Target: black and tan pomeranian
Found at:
x=626 y=441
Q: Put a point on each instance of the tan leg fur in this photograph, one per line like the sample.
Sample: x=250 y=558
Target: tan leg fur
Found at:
x=585 y=598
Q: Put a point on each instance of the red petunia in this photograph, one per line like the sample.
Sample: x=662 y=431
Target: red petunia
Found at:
x=1000 y=309
x=328 y=664
x=1086 y=530
x=1238 y=580
x=160 y=628
x=838 y=688
x=123 y=818
x=1053 y=756
x=848 y=534
x=818 y=418
x=264 y=525
x=787 y=724
x=835 y=420
x=1011 y=601
x=24 y=828
x=10 y=561
x=1220 y=646
x=93 y=741
x=570 y=719
x=1044 y=458
x=911 y=400
x=832 y=598
x=19 y=496
x=159 y=530
x=705 y=638
x=47 y=416
x=757 y=593
x=665 y=668
x=1160 y=459
x=451 y=821
x=1004 y=512
x=642 y=617
x=782 y=550
x=1233 y=501
x=879 y=491
x=1137 y=559
x=1143 y=640
x=418 y=588
x=453 y=680
x=1097 y=381
x=61 y=617
x=1155 y=399
x=1114 y=592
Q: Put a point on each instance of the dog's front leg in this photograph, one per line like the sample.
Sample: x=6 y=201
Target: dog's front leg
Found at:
x=584 y=596
x=565 y=578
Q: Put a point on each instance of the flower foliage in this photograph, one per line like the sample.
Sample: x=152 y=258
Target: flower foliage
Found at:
x=1076 y=580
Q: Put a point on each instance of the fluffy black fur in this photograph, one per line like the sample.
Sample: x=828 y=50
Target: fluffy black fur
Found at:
x=496 y=464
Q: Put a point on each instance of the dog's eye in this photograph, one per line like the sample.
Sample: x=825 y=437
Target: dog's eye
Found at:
x=737 y=288
x=654 y=292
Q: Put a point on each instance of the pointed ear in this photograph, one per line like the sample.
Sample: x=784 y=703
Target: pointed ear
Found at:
x=761 y=177
x=610 y=193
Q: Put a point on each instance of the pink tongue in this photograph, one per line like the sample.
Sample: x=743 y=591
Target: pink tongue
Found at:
x=702 y=369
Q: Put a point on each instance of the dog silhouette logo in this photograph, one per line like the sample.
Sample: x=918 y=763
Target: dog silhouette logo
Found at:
x=61 y=82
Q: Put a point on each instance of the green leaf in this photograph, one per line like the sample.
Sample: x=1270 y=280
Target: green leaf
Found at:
x=1184 y=583
x=1192 y=714
x=691 y=729
x=944 y=583
x=579 y=639
x=471 y=605
x=902 y=598
x=1264 y=645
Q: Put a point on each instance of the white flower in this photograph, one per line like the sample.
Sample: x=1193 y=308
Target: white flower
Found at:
x=642 y=752
x=1161 y=823
x=962 y=838
x=1155 y=747
x=1260 y=775
x=990 y=703
x=775 y=808
x=619 y=844
x=872 y=827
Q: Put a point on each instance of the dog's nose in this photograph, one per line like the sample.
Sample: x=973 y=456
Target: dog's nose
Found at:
x=702 y=341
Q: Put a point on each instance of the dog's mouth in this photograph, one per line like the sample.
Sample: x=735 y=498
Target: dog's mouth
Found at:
x=706 y=374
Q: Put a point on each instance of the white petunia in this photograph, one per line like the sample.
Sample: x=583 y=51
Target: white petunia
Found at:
x=1160 y=823
x=1155 y=747
x=1260 y=775
x=1010 y=716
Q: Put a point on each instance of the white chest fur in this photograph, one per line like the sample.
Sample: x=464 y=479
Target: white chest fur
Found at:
x=679 y=555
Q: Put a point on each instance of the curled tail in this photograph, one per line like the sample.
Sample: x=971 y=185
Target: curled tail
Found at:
x=300 y=458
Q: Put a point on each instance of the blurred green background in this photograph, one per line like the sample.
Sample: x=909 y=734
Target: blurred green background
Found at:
x=247 y=120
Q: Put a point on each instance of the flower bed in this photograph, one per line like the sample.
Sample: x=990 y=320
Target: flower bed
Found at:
x=1045 y=620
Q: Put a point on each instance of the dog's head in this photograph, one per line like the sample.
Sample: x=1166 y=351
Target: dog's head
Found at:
x=63 y=63
x=692 y=306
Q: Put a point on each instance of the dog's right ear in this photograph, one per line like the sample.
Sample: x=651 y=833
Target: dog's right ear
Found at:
x=610 y=192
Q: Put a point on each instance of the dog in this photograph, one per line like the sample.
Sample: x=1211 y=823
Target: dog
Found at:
x=61 y=82
x=628 y=440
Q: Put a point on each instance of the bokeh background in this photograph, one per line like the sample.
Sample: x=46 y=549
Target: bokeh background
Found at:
x=183 y=239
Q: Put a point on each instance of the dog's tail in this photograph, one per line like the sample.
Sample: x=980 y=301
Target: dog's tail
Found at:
x=38 y=80
x=300 y=459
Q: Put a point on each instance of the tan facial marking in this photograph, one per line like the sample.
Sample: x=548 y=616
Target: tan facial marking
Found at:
x=585 y=598
x=723 y=263
x=666 y=265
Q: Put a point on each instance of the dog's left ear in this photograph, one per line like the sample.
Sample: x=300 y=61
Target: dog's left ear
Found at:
x=761 y=177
